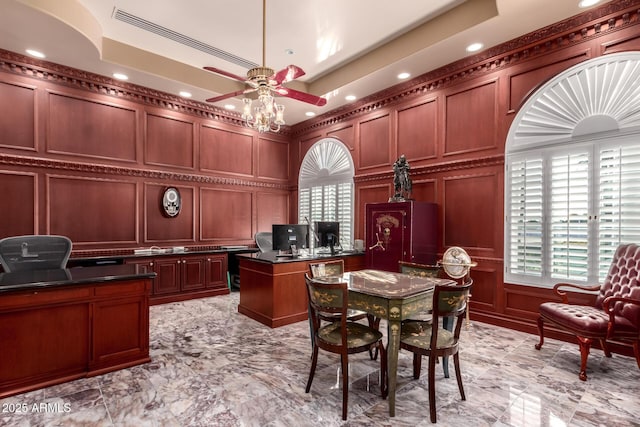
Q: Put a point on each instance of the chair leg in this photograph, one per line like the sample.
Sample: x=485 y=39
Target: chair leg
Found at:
x=374 y=322
x=456 y=363
x=605 y=348
x=445 y=366
x=432 y=388
x=417 y=366
x=585 y=346
x=384 y=385
x=345 y=384
x=311 y=329
x=636 y=351
x=447 y=323
x=541 y=332
x=312 y=371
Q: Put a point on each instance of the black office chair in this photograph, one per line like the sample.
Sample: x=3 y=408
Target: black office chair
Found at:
x=34 y=252
x=264 y=241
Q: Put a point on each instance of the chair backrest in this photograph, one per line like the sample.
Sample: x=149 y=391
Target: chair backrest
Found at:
x=35 y=252
x=264 y=241
x=449 y=301
x=421 y=270
x=332 y=268
x=328 y=295
x=623 y=281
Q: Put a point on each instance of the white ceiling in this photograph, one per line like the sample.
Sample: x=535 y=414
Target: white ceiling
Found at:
x=345 y=46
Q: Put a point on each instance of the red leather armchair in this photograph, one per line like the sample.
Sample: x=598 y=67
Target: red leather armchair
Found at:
x=615 y=316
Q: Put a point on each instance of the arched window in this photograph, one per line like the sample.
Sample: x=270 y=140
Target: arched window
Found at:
x=326 y=187
x=572 y=174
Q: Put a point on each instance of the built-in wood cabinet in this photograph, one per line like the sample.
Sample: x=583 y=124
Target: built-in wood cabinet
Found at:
x=181 y=277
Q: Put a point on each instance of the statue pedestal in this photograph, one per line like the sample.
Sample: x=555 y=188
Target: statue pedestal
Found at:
x=398 y=198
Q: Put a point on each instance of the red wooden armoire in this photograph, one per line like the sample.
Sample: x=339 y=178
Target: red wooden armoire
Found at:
x=400 y=231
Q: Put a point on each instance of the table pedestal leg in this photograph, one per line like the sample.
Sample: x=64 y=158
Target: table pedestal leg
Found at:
x=393 y=347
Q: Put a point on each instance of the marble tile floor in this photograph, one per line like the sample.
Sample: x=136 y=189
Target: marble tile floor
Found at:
x=212 y=366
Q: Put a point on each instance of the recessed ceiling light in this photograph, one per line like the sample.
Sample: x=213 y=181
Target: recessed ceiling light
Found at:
x=229 y=106
x=185 y=94
x=350 y=97
x=587 y=3
x=120 y=76
x=402 y=76
x=474 y=47
x=35 y=53
x=309 y=114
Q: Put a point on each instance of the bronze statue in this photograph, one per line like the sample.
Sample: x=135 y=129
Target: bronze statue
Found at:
x=401 y=180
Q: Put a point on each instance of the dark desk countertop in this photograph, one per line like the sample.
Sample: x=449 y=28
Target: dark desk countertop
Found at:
x=155 y=253
x=274 y=258
x=38 y=279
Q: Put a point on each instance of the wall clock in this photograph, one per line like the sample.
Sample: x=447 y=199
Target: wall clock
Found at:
x=171 y=202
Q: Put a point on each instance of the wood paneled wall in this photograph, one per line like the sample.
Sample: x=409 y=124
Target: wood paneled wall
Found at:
x=452 y=125
x=86 y=158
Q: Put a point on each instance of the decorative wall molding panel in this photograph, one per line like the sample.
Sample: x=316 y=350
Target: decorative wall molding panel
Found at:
x=32 y=162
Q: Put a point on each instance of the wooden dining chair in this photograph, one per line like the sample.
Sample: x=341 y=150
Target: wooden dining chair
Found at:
x=343 y=336
x=432 y=340
x=335 y=268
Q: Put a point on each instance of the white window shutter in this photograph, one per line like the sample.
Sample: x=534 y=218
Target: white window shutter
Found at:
x=569 y=215
x=525 y=231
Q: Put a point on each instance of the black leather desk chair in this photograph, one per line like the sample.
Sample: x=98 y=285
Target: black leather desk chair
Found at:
x=264 y=241
x=34 y=252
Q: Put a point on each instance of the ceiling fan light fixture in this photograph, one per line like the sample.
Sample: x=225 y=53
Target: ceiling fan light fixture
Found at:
x=263 y=114
x=266 y=115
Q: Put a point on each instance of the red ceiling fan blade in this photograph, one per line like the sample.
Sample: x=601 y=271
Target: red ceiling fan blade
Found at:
x=301 y=96
x=287 y=74
x=228 y=95
x=226 y=74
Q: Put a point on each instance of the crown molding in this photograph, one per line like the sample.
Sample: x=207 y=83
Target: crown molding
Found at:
x=15 y=63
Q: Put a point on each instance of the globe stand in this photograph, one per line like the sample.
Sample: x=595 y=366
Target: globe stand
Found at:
x=457 y=264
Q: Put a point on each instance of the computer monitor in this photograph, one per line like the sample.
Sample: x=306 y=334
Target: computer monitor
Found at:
x=328 y=234
x=287 y=235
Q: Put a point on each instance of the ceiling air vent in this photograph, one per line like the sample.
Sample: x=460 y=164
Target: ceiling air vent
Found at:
x=161 y=31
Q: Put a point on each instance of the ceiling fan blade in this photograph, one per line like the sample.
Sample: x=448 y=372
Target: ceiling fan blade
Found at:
x=301 y=96
x=228 y=95
x=288 y=73
x=226 y=74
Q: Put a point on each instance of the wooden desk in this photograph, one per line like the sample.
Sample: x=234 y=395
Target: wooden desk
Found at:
x=394 y=297
x=272 y=289
x=60 y=325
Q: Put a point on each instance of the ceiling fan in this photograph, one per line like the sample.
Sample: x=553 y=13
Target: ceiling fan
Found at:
x=265 y=80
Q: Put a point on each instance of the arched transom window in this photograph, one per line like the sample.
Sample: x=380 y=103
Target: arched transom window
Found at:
x=326 y=187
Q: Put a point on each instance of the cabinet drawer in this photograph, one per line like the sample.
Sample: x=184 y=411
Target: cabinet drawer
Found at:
x=43 y=297
x=136 y=287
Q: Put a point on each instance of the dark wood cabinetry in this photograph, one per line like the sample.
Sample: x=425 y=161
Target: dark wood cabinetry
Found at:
x=272 y=290
x=181 y=277
x=169 y=276
x=401 y=231
x=53 y=335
